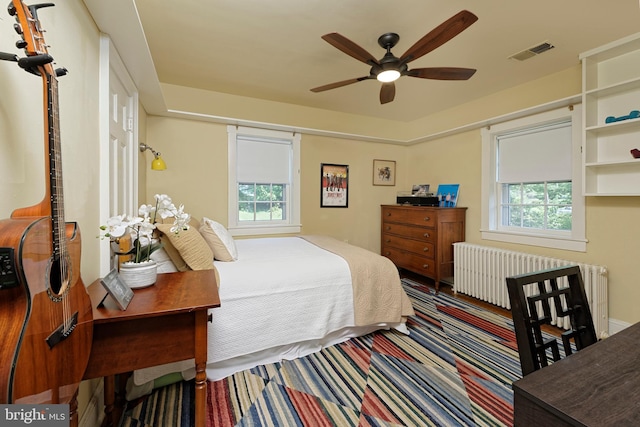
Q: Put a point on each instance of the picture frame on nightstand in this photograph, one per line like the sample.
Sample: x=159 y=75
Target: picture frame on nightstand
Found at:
x=118 y=290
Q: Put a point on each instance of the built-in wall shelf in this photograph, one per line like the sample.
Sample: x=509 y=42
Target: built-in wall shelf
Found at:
x=611 y=88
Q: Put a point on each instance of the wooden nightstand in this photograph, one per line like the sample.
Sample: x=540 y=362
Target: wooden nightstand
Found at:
x=166 y=322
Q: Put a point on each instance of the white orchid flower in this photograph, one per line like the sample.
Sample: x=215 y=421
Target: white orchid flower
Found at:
x=181 y=221
x=146 y=210
x=142 y=227
x=116 y=226
x=145 y=228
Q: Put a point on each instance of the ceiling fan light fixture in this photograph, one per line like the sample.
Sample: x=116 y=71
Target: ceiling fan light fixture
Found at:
x=388 y=76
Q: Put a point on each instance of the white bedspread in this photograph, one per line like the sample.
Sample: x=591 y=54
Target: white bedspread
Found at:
x=260 y=296
x=268 y=313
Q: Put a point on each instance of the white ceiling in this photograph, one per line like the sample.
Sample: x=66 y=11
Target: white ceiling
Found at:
x=273 y=49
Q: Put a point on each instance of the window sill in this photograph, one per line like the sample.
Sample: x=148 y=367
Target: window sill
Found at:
x=255 y=230
x=568 y=244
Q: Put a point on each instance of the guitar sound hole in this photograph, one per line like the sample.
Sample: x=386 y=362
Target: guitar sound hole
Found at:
x=59 y=274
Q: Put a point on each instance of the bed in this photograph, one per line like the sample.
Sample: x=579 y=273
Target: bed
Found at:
x=286 y=297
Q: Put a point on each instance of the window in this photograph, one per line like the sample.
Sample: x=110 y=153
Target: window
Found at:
x=264 y=181
x=532 y=181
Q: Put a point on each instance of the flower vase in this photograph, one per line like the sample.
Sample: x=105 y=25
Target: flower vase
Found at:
x=139 y=274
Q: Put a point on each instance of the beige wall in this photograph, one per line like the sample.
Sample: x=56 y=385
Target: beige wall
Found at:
x=196 y=175
x=196 y=153
x=614 y=241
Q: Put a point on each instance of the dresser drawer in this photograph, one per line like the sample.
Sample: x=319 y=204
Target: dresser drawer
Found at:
x=410 y=261
x=408 y=215
x=418 y=247
x=408 y=231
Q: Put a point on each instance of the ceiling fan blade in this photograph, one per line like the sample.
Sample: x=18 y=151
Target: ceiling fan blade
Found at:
x=387 y=92
x=350 y=48
x=339 y=84
x=440 y=35
x=442 y=73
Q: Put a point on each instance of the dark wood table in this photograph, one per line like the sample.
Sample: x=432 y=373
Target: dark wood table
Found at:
x=166 y=322
x=597 y=386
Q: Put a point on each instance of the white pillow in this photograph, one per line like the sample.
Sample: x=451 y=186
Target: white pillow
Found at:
x=219 y=240
x=165 y=265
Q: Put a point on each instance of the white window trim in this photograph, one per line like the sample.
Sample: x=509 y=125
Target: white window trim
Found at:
x=291 y=226
x=573 y=241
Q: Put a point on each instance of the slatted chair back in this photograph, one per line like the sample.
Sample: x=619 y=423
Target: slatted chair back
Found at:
x=532 y=297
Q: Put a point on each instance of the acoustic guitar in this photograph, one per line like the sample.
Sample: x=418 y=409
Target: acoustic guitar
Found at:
x=45 y=311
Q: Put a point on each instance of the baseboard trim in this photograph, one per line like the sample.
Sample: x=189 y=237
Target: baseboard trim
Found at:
x=93 y=414
x=617 y=325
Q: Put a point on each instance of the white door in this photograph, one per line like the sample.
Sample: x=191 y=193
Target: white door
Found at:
x=122 y=154
x=119 y=169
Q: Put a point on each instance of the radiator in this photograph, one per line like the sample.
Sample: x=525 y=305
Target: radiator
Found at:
x=481 y=272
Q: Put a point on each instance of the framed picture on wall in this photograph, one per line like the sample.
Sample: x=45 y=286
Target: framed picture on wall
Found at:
x=384 y=172
x=334 y=186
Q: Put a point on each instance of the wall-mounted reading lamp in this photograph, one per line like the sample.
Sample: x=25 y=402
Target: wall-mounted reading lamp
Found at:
x=157 y=164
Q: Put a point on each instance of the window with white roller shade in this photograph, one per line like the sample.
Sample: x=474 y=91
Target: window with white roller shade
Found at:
x=537 y=154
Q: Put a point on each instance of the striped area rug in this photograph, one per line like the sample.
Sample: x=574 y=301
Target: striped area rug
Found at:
x=454 y=369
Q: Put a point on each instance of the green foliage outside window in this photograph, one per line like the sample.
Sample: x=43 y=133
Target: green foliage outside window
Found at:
x=261 y=202
x=541 y=205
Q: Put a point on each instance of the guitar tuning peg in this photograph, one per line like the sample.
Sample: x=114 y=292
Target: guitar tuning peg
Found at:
x=11 y=9
x=21 y=44
x=61 y=72
x=18 y=28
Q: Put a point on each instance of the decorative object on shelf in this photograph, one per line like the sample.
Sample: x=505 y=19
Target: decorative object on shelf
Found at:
x=334 y=186
x=157 y=164
x=419 y=196
x=448 y=195
x=635 y=153
x=141 y=230
x=384 y=172
x=634 y=114
x=420 y=190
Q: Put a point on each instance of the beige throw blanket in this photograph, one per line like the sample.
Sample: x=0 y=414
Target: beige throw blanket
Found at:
x=377 y=291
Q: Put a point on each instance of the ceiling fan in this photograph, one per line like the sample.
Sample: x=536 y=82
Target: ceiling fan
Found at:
x=390 y=68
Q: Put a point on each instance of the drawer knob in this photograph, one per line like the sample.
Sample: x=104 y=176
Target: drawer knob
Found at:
x=425 y=265
x=388 y=253
x=426 y=234
x=426 y=249
x=388 y=227
x=388 y=213
x=388 y=241
x=426 y=218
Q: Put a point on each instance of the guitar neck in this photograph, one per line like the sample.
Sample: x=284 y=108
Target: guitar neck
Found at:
x=55 y=167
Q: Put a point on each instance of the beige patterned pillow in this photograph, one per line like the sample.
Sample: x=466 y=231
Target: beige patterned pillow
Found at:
x=191 y=246
x=219 y=240
x=173 y=253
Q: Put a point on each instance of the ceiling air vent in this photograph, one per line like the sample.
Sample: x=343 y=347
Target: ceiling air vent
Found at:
x=532 y=51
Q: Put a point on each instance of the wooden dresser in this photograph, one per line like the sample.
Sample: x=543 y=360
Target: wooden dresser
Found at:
x=420 y=239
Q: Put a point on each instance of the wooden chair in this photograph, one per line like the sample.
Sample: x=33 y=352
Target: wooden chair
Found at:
x=530 y=295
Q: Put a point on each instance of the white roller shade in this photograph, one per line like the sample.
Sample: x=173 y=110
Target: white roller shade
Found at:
x=263 y=160
x=536 y=155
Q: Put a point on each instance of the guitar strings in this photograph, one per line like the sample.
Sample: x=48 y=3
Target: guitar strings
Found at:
x=59 y=207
